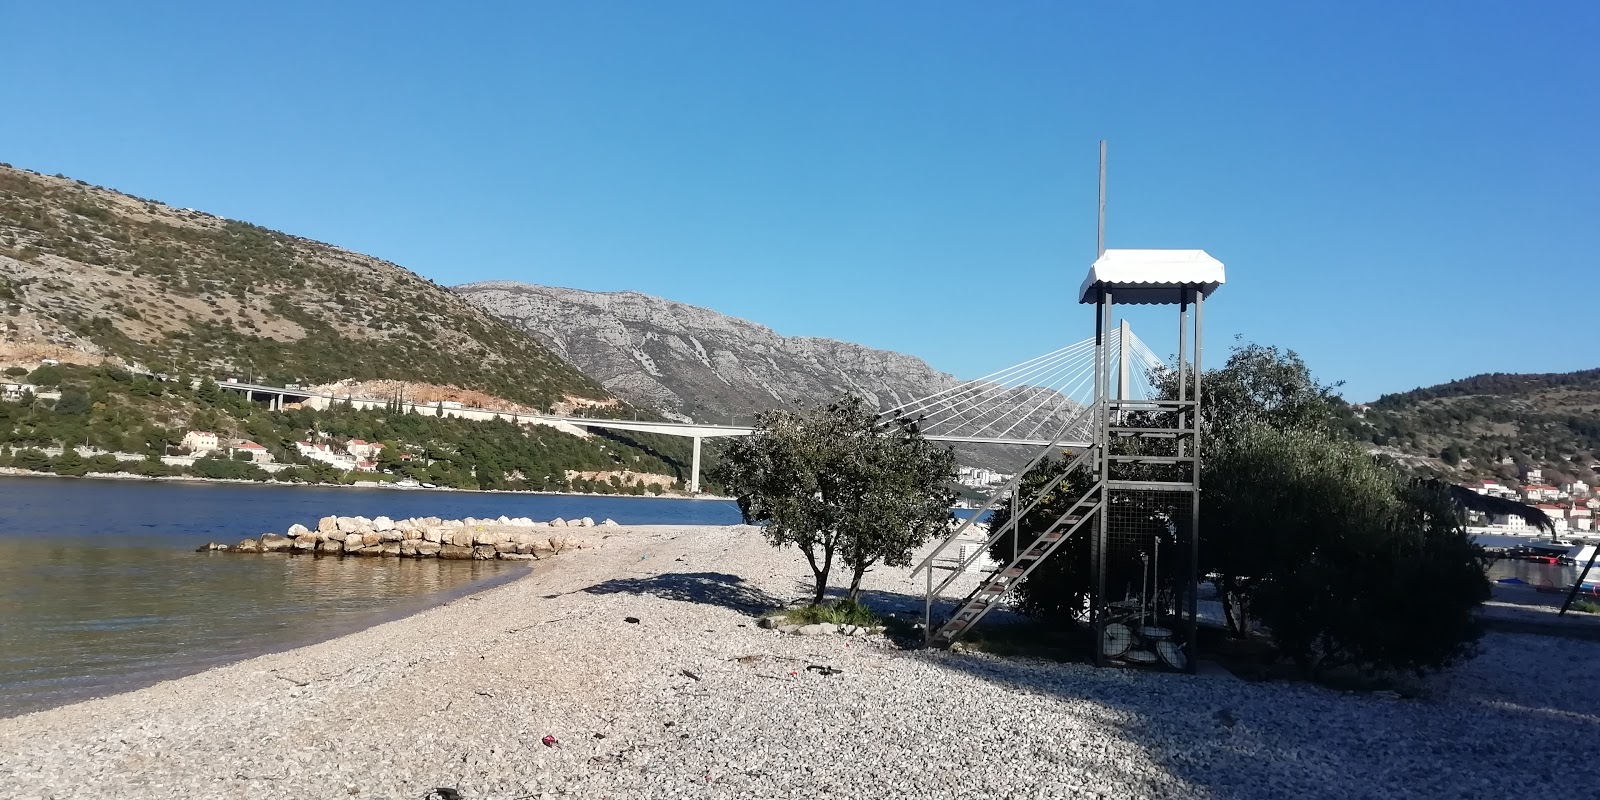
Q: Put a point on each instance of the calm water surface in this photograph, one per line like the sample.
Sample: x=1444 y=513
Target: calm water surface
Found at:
x=100 y=590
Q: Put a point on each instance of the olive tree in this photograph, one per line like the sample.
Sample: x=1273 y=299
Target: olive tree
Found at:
x=842 y=486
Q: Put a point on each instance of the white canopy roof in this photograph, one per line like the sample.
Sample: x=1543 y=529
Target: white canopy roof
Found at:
x=1151 y=276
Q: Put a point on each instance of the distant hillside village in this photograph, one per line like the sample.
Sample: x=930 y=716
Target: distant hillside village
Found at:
x=1570 y=506
x=355 y=454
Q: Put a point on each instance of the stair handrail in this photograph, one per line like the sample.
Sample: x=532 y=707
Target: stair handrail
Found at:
x=1011 y=524
x=928 y=638
x=1016 y=480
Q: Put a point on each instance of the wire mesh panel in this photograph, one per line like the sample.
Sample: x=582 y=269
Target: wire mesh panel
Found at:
x=1145 y=578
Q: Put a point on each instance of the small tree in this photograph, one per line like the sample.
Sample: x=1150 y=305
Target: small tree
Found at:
x=840 y=485
x=32 y=460
x=70 y=463
x=46 y=375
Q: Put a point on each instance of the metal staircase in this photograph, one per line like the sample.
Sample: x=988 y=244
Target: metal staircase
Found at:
x=1001 y=580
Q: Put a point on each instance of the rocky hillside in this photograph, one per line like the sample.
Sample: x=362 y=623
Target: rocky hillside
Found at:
x=1488 y=426
x=696 y=364
x=88 y=273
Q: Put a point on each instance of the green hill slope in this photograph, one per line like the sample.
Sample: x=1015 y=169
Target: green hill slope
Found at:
x=1490 y=425
x=93 y=272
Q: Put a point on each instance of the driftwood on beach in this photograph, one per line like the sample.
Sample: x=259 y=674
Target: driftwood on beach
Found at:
x=519 y=539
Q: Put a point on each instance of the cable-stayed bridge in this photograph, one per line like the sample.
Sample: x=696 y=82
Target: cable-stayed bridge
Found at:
x=1031 y=404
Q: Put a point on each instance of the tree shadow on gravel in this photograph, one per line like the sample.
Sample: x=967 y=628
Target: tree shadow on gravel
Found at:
x=706 y=588
x=1230 y=738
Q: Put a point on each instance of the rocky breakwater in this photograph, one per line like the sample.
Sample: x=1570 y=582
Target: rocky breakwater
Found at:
x=519 y=539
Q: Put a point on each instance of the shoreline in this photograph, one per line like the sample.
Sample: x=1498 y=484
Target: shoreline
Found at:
x=411 y=607
x=14 y=472
x=636 y=669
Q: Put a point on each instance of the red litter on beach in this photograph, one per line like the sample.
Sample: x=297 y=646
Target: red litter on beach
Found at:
x=549 y=741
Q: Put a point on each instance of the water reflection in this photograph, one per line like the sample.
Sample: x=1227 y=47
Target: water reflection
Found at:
x=136 y=614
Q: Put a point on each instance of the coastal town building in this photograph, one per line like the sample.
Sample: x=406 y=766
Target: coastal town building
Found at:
x=364 y=450
x=200 y=443
x=1509 y=522
x=1536 y=492
x=15 y=391
x=258 y=453
x=323 y=452
x=1557 y=515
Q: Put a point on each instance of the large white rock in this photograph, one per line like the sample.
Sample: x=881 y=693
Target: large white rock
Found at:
x=381 y=524
x=348 y=524
x=608 y=523
x=297 y=530
x=586 y=522
x=328 y=524
x=522 y=522
x=503 y=520
x=558 y=523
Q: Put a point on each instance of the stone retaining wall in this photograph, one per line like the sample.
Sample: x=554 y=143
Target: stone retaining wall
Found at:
x=520 y=539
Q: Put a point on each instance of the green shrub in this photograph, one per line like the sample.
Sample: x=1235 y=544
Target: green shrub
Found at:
x=16 y=372
x=70 y=463
x=224 y=468
x=838 y=612
x=31 y=459
x=46 y=375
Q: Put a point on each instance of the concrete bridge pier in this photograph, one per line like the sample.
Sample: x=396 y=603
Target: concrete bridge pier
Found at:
x=694 y=471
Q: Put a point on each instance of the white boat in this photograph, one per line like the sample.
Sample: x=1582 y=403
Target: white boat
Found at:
x=1579 y=554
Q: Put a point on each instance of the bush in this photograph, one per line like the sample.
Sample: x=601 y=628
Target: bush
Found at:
x=31 y=459
x=71 y=464
x=16 y=372
x=73 y=403
x=839 y=612
x=46 y=375
x=1379 y=573
x=224 y=468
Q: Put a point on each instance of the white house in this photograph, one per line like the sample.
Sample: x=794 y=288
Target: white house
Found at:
x=1576 y=487
x=363 y=450
x=1557 y=514
x=14 y=391
x=200 y=442
x=1582 y=523
x=324 y=453
x=1510 y=522
x=258 y=454
x=1534 y=492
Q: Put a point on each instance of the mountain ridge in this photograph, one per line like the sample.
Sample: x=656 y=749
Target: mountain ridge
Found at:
x=695 y=363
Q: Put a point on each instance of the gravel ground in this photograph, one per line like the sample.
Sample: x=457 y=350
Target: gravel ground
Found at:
x=462 y=695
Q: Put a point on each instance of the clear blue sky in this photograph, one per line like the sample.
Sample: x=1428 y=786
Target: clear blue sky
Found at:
x=1405 y=195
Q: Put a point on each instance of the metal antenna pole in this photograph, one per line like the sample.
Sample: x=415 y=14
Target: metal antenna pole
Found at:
x=1100 y=225
x=1124 y=341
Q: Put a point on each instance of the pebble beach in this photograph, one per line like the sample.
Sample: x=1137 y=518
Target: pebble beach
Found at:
x=633 y=666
